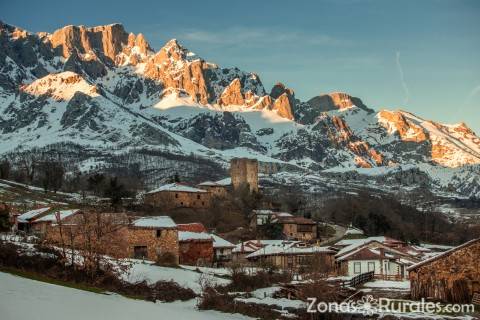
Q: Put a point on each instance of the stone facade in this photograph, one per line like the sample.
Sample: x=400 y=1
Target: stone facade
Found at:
x=298 y=228
x=244 y=172
x=453 y=276
x=152 y=243
x=178 y=199
x=196 y=252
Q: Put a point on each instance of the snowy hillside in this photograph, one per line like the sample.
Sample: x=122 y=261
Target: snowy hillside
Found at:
x=120 y=97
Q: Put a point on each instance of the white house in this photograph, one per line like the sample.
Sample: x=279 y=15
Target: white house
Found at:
x=385 y=262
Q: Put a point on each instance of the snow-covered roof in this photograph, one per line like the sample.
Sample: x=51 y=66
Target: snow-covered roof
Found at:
x=287 y=249
x=443 y=254
x=352 y=230
x=189 y=236
x=32 y=214
x=220 y=183
x=219 y=242
x=177 y=187
x=268 y=212
x=52 y=217
x=154 y=222
x=254 y=245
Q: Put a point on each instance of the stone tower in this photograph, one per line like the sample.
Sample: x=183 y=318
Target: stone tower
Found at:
x=244 y=171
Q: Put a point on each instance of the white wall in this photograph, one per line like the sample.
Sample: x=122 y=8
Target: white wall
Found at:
x=389 y=268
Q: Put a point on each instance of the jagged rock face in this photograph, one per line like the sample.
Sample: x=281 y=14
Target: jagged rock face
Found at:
x=233 y=94
x=307 y=112
x=221 y=131
x=407 y=130
x=283 y=106
x=106 y=40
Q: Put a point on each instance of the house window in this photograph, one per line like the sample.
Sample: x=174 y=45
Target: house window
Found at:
x=371 y=266
x=357 y=267
x=203 y=203
x=159 y=233
x=140 y=252
x=176 y=195
x=198 y=196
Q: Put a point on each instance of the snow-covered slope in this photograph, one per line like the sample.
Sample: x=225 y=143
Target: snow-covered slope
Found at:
x=103 y=89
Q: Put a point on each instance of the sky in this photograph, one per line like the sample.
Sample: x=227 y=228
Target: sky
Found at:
x=419 y=56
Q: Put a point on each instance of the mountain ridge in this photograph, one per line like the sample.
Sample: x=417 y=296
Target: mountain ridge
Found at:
x=105 y=87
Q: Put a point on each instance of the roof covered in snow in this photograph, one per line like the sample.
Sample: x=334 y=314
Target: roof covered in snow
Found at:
x=220 y=183
x=352 y=230
x=219 y=242
x=177 y=187
x=443 y=254
x=52 y=217
x=288 y=249
x=32 y=214
x=254 y=245
x=194 y=236
x=154 y=222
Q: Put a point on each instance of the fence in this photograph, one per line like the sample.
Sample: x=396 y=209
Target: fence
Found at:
x=358 y=280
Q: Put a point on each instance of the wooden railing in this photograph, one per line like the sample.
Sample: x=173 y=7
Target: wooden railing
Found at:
x=358 y=280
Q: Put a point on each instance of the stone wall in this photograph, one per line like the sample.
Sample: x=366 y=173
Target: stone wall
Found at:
x=196 y=252
x=158 y=244
x=171 y=199
x=299 y=232
x=453 y=277
x=244 y=171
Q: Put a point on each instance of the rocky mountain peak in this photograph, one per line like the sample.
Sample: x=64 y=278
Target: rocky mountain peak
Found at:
x=335 y=101
x=107 y=40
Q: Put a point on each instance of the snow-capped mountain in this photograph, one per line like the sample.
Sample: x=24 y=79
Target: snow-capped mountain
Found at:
x=105 y=89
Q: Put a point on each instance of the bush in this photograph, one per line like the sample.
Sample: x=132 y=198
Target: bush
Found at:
x=262 y=279
x=167 y=259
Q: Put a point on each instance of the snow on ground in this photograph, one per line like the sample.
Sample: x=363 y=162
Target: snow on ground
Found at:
x=48 y=301
x=388 y=285
x=151 y=273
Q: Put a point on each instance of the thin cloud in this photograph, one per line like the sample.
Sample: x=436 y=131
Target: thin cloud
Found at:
x=402 y=79
x=254 y=36
x=475 y=91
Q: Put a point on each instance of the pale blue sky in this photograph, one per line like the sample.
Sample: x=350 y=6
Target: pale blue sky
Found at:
x=364 y=48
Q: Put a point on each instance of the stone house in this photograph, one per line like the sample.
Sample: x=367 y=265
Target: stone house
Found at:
x=451 y=276
x=154 y=238
x=222 y=250
x=24 y=220
x=81 y=229
x=195 y=248
x=41 y=225
x=295 y=256
x=176 y=195
x=263 y=216
x=297 y=228
x=218 y=189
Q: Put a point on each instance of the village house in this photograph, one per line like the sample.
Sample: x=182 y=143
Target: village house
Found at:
x=386 y=263
x=222 y=251
x=218 y=189
x=154 y=238
x=39 y=226
x=297 y=228
x=243 y=249
x=262 y=217
x=451 y=276
x=24 y=220
x=295 y=256
x=195 y=248
x=176 y=195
